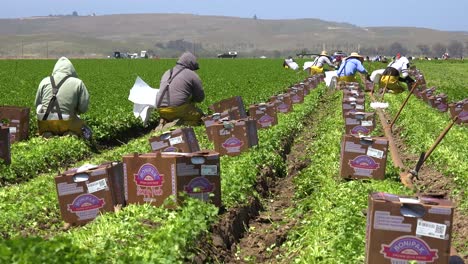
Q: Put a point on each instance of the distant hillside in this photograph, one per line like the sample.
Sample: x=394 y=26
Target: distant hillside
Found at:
x=168 y=34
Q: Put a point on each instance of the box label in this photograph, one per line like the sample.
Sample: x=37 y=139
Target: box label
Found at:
x=385 y=221
x=97 y=186
x=12 y=130
x=430 y=229
x=232 y=144
x=408 y=248
x=209 y=170
x=148 y=181
x=86 y=206
x=366 y=123
x=68 y=188
x=176 y=140
x=375 y=153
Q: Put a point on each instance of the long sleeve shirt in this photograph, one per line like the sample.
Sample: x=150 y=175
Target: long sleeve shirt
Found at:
x=402 y=65
x=322 y=60
x=350 y=66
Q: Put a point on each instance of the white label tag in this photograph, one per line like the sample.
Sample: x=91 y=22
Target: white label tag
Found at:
x=360 y=107
x=175 y=140
x=366 y=123
x=375 y=153
x=97 y=186
x=209 y=170
x=12 y=130
x=430 y=229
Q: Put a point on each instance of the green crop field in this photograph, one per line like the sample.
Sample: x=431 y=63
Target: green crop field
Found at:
x=331 y=227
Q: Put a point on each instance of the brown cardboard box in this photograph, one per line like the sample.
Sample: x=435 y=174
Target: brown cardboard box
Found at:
x=83 y=195
x=403 y=229
x=459 y=109
x=17 y=119
x=153 y=177
x=359 y=94
x=439 y=102
x=297 y=95
x=352 y=104
x=264 y=114
x=425 y=94
x=209 y=121
x=228 y=104
x=197 y=175
x=5 y=154
x=178 y=140
x=283 y=103
x=234 y=137
x=359 y=123
x=363 y=157
x=302 y=86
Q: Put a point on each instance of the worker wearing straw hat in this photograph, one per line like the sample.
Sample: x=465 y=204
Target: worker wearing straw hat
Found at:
x=391 y=75
x=349 y=67
x=319 y=62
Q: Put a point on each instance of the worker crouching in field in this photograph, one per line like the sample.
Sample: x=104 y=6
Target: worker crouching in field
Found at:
x=60 y=98
x=391 y=79
x=349 y=67
x=319 y=62
x=180 y=89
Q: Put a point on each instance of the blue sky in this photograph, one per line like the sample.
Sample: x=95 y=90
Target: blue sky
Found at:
x=436 y=14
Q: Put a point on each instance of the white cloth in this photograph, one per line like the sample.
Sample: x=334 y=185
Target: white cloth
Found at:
x=375 y=75
x=329 y=76
x=292 y=64
x=307 y=65
x=143 y=98
x=401 y=65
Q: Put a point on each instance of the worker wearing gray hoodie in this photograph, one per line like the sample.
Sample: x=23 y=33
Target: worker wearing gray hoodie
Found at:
x=180 y=89
x=71 y=96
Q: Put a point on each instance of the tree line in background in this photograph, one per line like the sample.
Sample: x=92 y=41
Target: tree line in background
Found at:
x=173 y=48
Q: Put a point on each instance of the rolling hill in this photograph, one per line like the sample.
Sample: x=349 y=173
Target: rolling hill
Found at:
x=167 y=34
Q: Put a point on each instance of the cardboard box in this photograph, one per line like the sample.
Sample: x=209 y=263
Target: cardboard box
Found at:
x=359 y=94
x=83 y=195
x=234 y=137
x=154 y=177
x=459 y=109
x=363 y=157
x=425 y=94
x=5 y=154
x=264 y=114
x=403 y=229
x=17 y=119
x=283 y=102
x=178 y=140
x=352 y=104
x=297 y=95
x=228 y=104
x=439 y=102
x=197 y=175
x=359 y=123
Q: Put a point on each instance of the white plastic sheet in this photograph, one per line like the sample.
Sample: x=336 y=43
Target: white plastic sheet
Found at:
x=375 y=75
x=143 y=98
x=329 y=76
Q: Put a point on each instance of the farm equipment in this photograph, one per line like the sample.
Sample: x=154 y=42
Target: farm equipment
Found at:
x=415 y=84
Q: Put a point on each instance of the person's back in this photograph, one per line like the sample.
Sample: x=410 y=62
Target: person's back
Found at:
x=72 y=99
x=180 y=89
x=72 y=96
x=350 y=66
